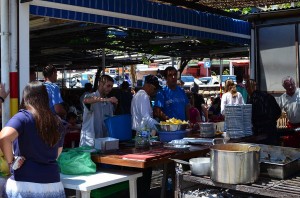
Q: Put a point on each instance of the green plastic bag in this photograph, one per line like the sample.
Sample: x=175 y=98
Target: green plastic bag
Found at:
x=76 y=162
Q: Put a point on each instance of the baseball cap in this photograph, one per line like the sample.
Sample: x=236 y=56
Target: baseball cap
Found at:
x=151 y=79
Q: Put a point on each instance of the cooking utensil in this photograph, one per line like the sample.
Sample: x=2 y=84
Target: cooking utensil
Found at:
x=199 y=166
x=279 y=162
x=171 y=127
x=177 y=146
x=235 y=163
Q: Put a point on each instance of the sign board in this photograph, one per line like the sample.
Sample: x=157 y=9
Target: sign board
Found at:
x=207 y=64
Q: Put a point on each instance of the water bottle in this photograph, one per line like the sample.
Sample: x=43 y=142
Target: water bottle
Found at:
x=142 y=138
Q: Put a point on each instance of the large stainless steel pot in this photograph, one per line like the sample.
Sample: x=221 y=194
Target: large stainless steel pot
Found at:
x=235 y=163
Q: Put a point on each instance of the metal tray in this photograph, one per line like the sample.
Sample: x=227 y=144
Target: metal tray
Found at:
x=279 y=162
x=200 y=141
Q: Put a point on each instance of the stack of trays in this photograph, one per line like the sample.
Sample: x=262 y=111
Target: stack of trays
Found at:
x=247 y=119
x=238 y=120
x=234 y=121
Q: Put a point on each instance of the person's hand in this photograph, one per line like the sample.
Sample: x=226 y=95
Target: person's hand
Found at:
x=113 y=100
x=3 y=93
x=132 y=91
x=18 y=162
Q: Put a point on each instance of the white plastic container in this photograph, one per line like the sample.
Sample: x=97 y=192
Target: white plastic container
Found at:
x=107 y=143
x=219 y=126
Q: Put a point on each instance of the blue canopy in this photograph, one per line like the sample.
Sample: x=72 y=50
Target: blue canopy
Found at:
x=142 y=14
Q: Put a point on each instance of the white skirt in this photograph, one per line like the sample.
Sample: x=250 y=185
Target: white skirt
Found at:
x=19 y=189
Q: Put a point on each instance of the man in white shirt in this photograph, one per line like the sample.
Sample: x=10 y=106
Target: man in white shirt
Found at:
x=140 y=105
x=290 y=102
x=141 y=110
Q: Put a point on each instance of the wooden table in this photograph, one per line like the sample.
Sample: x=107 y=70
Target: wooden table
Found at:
x=116 y=157
x=161 y=156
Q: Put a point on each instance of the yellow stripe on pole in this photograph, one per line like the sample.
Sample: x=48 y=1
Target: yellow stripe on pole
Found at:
x=14 y=106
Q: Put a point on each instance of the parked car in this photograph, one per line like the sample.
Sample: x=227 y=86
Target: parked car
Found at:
x=227 y=77
x=209 y=80
x=188 y=81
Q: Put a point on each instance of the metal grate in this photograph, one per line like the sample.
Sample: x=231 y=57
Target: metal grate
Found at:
x=263 y=186
x=288 y=186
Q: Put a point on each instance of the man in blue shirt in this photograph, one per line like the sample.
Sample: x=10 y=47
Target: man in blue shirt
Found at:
x=171 y=101
x=55 y=99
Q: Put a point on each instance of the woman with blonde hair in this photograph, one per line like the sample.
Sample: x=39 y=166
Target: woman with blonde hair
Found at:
x=231 y=95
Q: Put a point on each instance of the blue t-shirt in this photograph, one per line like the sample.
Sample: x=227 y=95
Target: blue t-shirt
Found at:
x=40 y=165
x=53 y=95
x=172 y=102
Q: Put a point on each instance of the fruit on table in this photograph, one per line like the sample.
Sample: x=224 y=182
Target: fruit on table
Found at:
x=173 y=121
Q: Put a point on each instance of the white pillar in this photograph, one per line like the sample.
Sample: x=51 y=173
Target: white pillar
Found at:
x=13 y=24
x=24 y=47
x=5 y=57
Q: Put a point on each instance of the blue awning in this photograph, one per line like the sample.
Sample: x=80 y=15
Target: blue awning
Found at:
x=143 y=14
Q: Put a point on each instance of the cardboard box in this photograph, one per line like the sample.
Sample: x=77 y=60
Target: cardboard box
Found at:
x=107 y=143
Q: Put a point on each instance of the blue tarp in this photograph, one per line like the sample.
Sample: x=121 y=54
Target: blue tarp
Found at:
x=143 y=14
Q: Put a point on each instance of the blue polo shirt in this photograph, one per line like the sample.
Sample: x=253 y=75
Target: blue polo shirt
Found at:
x=172 y=102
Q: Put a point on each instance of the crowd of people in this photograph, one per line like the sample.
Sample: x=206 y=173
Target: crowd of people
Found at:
x=33 y=138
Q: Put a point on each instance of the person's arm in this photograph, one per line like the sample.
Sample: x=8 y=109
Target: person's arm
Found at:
x=7 y=136
x=223 y=103
x=3 y=92
x=59 y=151
x=158 y=104
x=160 y=114
x=187 y=111
x=60 y=110
x=95 y=99
x=145 y=110
x=57 y=103
x=240 y=98
x=205 y=111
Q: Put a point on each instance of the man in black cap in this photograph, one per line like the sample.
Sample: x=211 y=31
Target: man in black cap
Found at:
x=141 y=110
x=141 y=107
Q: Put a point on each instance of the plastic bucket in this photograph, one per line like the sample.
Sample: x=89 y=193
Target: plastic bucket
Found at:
x=119 y=127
